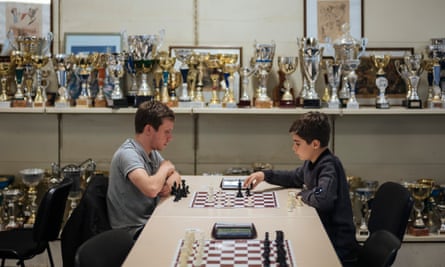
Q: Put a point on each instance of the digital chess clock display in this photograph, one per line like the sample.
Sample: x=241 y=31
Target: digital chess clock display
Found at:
x=233 y=231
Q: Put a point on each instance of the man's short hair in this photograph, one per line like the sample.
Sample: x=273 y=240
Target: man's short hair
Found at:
x=152 y=113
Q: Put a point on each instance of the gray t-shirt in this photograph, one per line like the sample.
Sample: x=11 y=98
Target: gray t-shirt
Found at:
x=129 y=208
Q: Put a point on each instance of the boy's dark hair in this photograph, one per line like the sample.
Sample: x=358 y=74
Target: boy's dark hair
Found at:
x=152 y=112
x=312 y=125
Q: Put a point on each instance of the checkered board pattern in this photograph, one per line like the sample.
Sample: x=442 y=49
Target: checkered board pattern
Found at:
x=238 y=252
x=228 y=199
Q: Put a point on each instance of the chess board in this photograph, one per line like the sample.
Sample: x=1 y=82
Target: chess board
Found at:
x=228 y=199
x=238 y=252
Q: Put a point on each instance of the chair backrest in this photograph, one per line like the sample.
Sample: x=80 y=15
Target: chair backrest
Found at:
x=50 y=213
x=390 y=209
x=379 y=250
x=107 y=249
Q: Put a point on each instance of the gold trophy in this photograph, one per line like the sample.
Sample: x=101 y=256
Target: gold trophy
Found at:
x=229 y=100
x=166 y=63
x=100 y=99
x=32 y=178
x=39 y=62
x=287 y=65
x=214 y=65
x=420 y=192
x=198 y=98
x=4 y=77
x=380 y=62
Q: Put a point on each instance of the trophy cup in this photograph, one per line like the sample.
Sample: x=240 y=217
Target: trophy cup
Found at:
x=311 y=55
x=348 y=51
x=11 y=196
x=39 y=62
x=4 y=74
x=116 y=71
x=420 y=192
x=31 y=178
x=63 y=96
x=434 y=69
x=245 y=100
x=334 y=72
x=402 y=70
x=198 y=97
x=380 y=62
x=166 y=63
x=414 y=65
x=17 y=57
x=100 y=65
x=229 y=100
x=183 y=56
x=364 y=194
x=263 y=57
x=214 y=65
x=287 y=65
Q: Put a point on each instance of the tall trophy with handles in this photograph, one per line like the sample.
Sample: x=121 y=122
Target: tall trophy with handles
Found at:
x=263 y=57
x=311 y=54
x=288 y=65
x=414 y=65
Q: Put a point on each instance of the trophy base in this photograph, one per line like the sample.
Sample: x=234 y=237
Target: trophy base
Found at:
x=131 y=99
x=214 y=105
x=299 y=102
x=182 y=104
x=263 y=103
x=363 y=232
x=382 y=105
x=287 y=104
x=39 y=104
x=414 y=103
x=120 y=103
x=5 y=104
x=197 y=104
x=62 y=104
x=435 y=104
x=229 y=105
x=19 y=103
x=344 y=102
x=334 y=105
x=84 y=103
x=141 y=99
x=244 y=104
x=100 y=103
x=172 y=103
x=418 y=231
x=311 y=103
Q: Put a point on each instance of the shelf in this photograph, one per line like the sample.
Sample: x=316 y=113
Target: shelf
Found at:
x=431 y=238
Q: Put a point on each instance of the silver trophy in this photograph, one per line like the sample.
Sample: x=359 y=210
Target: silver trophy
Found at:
x=32 y=177
x=263 y=58
x=245 y=74
x=414 y=65
x=60 y=64
x=115 y=68
x=334 y=72
x=311 y=54
x=183 y=57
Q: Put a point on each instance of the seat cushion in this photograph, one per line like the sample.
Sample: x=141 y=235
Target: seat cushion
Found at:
x=19 y=243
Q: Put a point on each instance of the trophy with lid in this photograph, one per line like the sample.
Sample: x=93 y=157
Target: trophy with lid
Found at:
x=348 y=51
x=380 y=62
x=311 y=54
x=287 y=65
x=263 y=57
x=5 y=68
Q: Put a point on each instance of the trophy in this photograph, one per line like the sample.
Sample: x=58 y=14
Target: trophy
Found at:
x=85 y=62
x=402 y=70
x=11 y=196
x=115 y=67
x=17 y=58
x=214 y=65
x=198 y=97
x=434 y=91
x=380 y=62
x=311 y=55
x=143 y=50
x=63 y=96
x=420 y=192
x=4 y=74
x=414 y=65
x=334 y=72
x=348 y=51
x=245 y=100
x=229 y=100
x=39 y=62
x=263 y=60
x=183 y=56
x=287 y=65
x=166 y=63
x=364 y=194
x=100 y=65
x=31 y=178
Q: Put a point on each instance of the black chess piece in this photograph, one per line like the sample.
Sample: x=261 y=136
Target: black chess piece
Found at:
x=248 y=193
x=239 y=194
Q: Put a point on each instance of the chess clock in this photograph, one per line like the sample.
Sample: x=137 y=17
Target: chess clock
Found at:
x=234 y=231
x=232 y=183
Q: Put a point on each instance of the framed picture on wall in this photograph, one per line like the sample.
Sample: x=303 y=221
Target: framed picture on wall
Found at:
x=366 y=88
x=76 y=43
x=323 y=19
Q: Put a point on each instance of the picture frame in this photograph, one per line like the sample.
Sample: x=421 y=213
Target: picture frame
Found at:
x=366 y=90
x=30 y=19
x=76 y=42
x=213 y=50
x=323 y=19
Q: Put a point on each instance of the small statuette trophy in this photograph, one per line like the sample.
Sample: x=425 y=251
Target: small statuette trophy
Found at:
x=287 y=65
x=334 y=73
x=263 y=58
x=4 y=74
x=414 y=65
x=311 y=55
x=245 y=100
x=380 y=62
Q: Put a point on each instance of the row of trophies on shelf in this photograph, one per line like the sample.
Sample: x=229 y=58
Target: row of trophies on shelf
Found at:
x=95 y=79
x=428 y=213
x=18 y=200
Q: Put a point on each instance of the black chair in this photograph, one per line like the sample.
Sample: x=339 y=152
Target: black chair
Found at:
x=88 y=219
x=23 y=244
x=107 y=249
x=379 y=250
x=390 y=209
